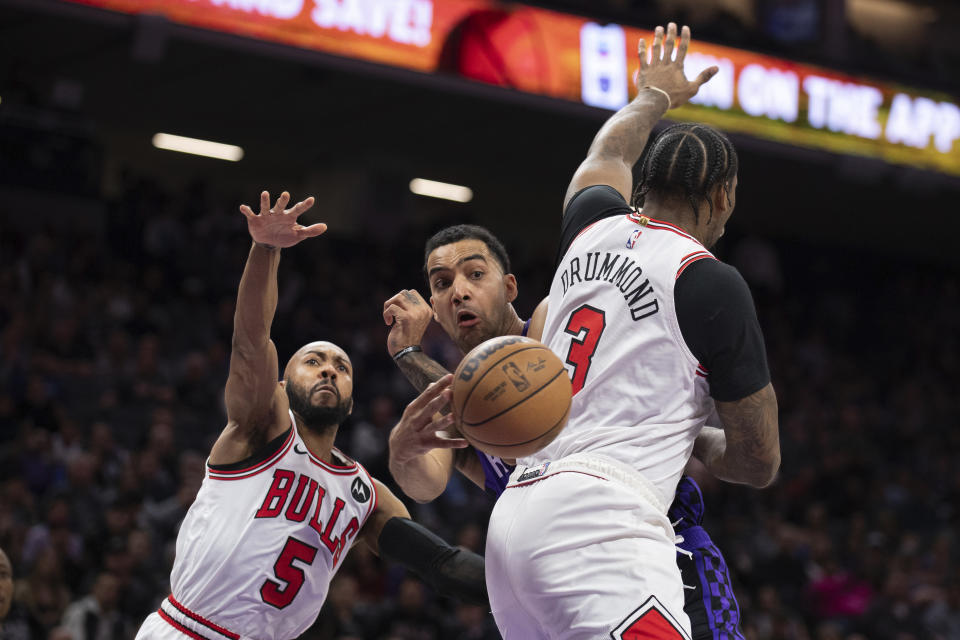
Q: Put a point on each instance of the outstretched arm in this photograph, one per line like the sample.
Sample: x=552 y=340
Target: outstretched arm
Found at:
x=620 y=142
x=255 y=402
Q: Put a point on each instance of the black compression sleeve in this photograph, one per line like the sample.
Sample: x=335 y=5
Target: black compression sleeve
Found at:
x=719 y=324
x=449 y=570
x=586 y=207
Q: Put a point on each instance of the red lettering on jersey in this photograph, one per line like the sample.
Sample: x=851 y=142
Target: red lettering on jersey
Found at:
x=277 y=495
x=325 y=538
x=315 y=523
x=296 y=511
x=298 y=505
x=344 y=541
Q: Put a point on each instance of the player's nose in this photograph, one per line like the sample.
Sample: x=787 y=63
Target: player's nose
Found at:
x=461 y=289
x=328 y=371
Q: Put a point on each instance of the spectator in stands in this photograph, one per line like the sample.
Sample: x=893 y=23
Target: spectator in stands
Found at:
x=95 y=616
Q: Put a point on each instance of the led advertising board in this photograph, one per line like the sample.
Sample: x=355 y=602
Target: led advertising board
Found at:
x=573 y=58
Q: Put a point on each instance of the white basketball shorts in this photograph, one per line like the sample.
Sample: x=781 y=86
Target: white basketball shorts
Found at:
x=581 y=549
x=173 y=621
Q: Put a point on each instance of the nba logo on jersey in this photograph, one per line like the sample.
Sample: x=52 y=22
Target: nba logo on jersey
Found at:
x=632 y=240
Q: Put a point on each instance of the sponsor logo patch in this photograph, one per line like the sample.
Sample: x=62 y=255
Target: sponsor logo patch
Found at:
x=531 y=473
x=360 y=491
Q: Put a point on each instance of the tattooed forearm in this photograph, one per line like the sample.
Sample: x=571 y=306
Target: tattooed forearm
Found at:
x=748 y=450
x=618 y=145
x=625 y=134
x=420 y=369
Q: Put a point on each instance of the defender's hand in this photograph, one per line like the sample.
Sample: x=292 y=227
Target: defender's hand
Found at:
x=408 y=315
x=278 y=227
x=421 y=429
x=664 y=73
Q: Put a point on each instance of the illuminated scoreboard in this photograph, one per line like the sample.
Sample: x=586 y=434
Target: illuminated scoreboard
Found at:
x=573 y=58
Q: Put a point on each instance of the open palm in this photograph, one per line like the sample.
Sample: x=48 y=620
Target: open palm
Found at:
x=665 y=72
x=278 y=226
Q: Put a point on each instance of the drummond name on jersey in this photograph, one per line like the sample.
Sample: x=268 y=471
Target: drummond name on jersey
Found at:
x=618 y=271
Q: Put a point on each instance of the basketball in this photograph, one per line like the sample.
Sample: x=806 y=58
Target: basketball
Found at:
x=511 y=396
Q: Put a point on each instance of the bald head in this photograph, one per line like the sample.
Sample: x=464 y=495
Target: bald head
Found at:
x=318 y=348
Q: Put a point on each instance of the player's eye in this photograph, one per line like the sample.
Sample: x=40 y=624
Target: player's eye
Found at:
x=342 y=368
x=440 y=284
x=476 y=275
x=312 y=362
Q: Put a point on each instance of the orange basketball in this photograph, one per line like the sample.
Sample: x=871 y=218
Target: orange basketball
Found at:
x=511 y=396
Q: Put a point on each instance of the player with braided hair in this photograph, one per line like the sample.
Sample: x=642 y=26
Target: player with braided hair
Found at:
x=701 y=154
x=659 y=338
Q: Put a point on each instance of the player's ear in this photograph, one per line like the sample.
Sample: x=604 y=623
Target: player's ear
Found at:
x=719 y=198
x=510 y=285
x=350 y=410
x=434 y=308
x=283 y=384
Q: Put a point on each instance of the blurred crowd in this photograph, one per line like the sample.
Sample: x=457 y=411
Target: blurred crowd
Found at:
x=114 y=347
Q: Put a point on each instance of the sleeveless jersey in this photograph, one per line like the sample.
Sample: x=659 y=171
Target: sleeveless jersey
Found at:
x=259 y=546
x=640 y=395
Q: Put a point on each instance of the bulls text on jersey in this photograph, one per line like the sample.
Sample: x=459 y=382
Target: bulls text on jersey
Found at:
x=282 y=500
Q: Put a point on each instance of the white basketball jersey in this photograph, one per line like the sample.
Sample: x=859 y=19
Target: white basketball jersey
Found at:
x=640 y=396
x=259 y=546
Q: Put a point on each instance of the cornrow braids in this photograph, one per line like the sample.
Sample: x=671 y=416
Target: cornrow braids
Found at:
x=688 y=160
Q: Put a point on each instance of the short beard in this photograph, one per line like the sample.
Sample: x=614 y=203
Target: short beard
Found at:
x=315 y=418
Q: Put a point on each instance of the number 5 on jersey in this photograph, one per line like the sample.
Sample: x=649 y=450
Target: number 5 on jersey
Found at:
x=281 y=595
x=586 y=325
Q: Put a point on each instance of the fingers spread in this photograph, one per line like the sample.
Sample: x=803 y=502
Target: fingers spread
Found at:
x=642 y=54
x=302 y=206
x=684 y=44
x=313 y=230
x=431 y=392
x=671 y=42
x=657 y=45
x=706 y=74
x=281 y=203
x=247 y=212
x=264 y=203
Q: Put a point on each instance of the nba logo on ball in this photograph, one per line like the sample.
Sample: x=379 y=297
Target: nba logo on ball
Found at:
x=516 y=376
x=511 y=396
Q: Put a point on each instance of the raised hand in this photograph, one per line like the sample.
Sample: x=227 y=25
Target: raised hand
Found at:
x=408 y=315
x=278 y=226
x=421 y=428
x=664 y=72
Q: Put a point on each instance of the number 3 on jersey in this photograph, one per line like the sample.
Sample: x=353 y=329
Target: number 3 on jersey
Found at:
x=586 y=325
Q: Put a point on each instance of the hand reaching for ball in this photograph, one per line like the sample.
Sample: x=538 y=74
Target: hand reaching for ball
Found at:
x=425 y=423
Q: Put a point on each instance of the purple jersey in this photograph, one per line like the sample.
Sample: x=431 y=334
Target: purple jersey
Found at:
x=712 y=607
x=496 y=473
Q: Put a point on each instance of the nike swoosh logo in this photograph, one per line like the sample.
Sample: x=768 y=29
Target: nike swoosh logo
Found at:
x=296 y=449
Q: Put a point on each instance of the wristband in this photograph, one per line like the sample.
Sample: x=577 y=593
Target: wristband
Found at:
x=411 y=349
x=669 y=101
x=268 y=247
